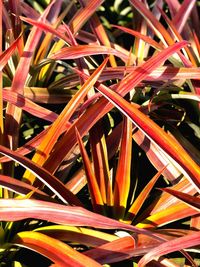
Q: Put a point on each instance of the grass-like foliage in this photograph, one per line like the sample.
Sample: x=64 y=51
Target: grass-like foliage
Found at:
x=99 y=133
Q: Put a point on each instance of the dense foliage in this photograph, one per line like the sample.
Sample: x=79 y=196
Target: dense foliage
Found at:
x=99 y=140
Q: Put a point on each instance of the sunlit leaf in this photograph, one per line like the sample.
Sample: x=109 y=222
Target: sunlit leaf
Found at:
x=20 y=187
x=168 y=215
x=83 y=15
x=53 y=183
x=29 y=106
x=171 y=246
x=59 y=124
x=5 y=56
x=122 y=178
x=95 y=193
x=55 y=250
x=155 y=133
x=192 y=201
x=85 y=236
x=138 y=202
x=101 y=107
x=114 y=251
x=80 y=51
x=18 y=209
x=100 y=161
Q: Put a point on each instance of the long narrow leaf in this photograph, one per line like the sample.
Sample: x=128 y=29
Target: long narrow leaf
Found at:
x=143 y=37
x=18 y=209
x=19 y=187
x=100 y=160
x=192 y=201
x=57 y=127
x=83 y=15
x=168 y=215
x=5 y=56
x=13 y=113
x=49 y=180
x=171 y=246
x=45 y=27
x=85 y=236
x=80 y=51
x=55 y=250
x=122 y=178
x=95 y=193
x=135 y=207
x=157 y=134
x=114 y=251
x=96 y=111
x=29 y=106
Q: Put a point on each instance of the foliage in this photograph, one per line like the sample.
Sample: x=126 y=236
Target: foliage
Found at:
x=99 y=118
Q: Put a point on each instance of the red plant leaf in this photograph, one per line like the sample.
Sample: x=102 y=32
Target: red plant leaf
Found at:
x=183 y=14
x=13 y=113
x=192 y=201
x=101 y=35
x=20 y=187
x=43 y=175
x=171 y=246
x=100 y=161
x=165 y=216
x=153 y=22
x=5 y=56
x=135 y=207
x=167 y=200
x=18 y=209
x=179 y=38
x=101 y=107
x=83 y=15
x=29 y=106
x=58 y=252
x=143 y=37
x=95 y=193
x=122 y=178
x=114 y=251
x=156 y=156
x=153 y=131
x=58 y=126
x=81 y=235
x=80 y=51
x=28 y=147
x=46 y=27
x=25 y=60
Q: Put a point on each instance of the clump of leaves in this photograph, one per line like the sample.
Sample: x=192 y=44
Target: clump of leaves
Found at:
x=99 y=143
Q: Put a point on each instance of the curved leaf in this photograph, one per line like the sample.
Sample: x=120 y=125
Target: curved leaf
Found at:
x=19 y=209
x=53 y=183
x=29 y=106
x=101 y=107
x=80 y=51
x=5 y=56
x=153 y=131
x=138 y=202
x=83 y=15
x=85 y=236
x=122 y=177
x=171 y=214
x=95 y=193
x=192 y=201
x=58 y=126
x=171 y=246
x=55 y=250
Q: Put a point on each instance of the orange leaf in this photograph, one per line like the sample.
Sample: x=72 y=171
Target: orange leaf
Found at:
x=95 y=193
x=132 y=212
x=55 y=250
x=122 y=179
x=57 y=127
